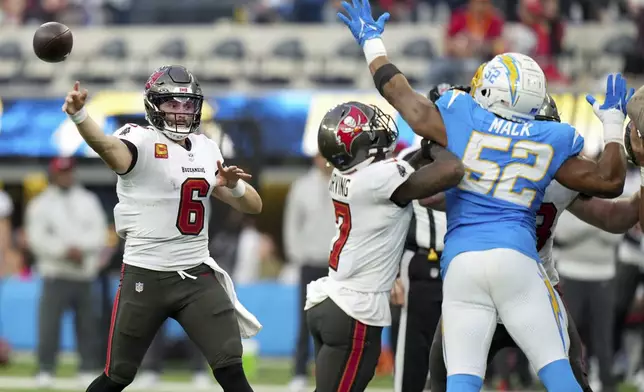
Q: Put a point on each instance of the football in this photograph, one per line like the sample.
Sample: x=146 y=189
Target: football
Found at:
x=53 y=42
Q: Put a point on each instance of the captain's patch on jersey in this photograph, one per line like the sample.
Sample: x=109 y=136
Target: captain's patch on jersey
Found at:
x=161 y=150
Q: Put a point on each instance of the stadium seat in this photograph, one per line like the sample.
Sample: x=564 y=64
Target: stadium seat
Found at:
x=223 y=64
x=341 y=67
x=99 y=67
x=10 y=61
x=36 y=71
x=169 y=52
x=620 y=45
x=282 y=65
x=610 y=57
x=416 y=56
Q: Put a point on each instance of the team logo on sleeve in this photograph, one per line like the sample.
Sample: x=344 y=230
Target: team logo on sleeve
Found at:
x=401 y=170
x=125 y=131
x=161 y=150
x=350 y=126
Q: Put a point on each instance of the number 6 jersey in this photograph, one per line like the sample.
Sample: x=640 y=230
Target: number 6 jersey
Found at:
x=164 y=203
x=508 y=166
x=366 y=250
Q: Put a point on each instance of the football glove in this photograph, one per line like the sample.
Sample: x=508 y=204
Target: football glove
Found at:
x=360 y=22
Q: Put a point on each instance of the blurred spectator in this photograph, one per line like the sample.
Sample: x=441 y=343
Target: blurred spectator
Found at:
x=400 y=10
x=248 y=264
x=540 y=35
x=586 y=263
x=308 y=11
x=12 y=12
x=270 y=11
x=117 y=11
x=66 y=231
x=6 y=240
x=634 y=59
x=474 y=35
x=309 y=227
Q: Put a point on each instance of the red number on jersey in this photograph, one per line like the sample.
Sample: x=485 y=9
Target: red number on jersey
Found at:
x=192 y=213
x=548 y=213
x=343 y=221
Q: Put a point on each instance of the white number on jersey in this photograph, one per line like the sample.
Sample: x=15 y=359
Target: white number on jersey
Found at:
x=490 y=172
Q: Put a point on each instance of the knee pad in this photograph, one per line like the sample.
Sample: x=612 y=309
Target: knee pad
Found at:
x=464 y=383
x=231 y=353
x=557 y=376
x=104 y=384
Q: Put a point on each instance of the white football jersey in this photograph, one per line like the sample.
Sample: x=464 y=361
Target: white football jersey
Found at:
x=369 y=241
x=164 y=200
x=555 y=201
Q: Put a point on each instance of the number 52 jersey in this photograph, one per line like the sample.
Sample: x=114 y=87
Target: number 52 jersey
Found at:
x=508 y=166
x=164 y=203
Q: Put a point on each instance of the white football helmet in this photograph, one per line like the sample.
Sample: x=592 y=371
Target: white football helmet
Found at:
x=511 y=85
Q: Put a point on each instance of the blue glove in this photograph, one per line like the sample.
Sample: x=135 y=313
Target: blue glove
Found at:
x=613 y=111
x=360 y=21
x=617 y=95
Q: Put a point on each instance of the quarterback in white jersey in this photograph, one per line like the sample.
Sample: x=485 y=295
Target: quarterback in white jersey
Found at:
x=371 y=194
x=166 y=175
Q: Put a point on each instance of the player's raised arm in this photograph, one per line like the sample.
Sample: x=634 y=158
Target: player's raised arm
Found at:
x=111 y=149
x=445 y=172
x=604 y=178
x=614 y=216
x=419 y=112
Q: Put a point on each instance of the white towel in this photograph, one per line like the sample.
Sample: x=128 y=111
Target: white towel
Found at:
x=249 y=326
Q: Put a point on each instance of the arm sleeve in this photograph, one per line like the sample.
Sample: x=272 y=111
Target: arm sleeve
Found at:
x=94 y=238
x=389 y=177
x=43 y=241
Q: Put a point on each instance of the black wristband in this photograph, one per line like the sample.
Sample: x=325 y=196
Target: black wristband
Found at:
x=383 y=75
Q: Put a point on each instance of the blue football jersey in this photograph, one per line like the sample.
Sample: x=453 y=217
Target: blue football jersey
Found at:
x=508 y=166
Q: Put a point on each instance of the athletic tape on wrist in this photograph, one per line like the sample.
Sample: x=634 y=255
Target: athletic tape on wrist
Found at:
x=373 y=48
x=79 y=117
x=239 y=189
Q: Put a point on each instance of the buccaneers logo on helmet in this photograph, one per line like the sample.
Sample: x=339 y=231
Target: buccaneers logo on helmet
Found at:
x=353 y=124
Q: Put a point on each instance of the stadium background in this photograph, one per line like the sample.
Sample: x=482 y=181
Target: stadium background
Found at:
x=267 y=85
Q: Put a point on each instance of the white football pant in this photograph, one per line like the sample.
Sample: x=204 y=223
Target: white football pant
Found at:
x=479 y=286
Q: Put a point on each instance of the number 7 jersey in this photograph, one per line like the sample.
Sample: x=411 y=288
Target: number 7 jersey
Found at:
x=508 y=166
x=164 y=199
x=365 y=253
